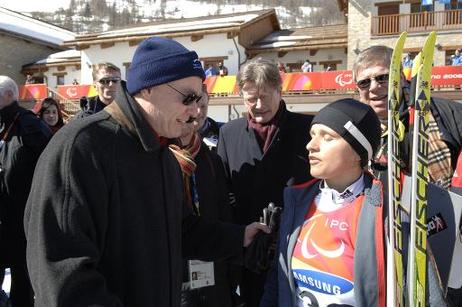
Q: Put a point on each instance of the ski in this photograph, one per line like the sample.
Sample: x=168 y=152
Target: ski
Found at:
x=395 y=268
x=420 y=177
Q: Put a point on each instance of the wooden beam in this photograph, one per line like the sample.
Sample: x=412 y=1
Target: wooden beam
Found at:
x=196 y=37
x=106 y=45
x=230 y=35
x=82 y=47
x=134 y=42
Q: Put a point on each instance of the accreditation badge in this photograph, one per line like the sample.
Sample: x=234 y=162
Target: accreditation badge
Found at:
x=201 y=274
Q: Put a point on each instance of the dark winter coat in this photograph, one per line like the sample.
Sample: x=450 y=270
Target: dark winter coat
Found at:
x=106 y=222
x=213 y=205
x=257 y=178
x=26 y=140
x=89 y=106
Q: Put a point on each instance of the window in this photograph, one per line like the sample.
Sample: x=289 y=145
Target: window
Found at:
x=329 y=65
x=453 y=5
x=60 y=80
x=388 y=9
x=448 y=56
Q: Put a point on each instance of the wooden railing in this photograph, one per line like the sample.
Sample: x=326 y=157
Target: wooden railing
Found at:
x=417 y=22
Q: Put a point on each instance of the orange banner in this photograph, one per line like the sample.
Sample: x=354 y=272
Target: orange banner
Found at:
x=74 y=92
x=33 y=92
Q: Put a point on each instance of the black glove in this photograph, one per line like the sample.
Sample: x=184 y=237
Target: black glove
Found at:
x=259 y=254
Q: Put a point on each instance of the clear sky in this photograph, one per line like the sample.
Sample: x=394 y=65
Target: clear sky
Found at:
x=34 y=5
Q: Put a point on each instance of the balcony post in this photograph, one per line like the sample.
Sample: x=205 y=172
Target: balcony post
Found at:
x=404 y=11
x=439 y=22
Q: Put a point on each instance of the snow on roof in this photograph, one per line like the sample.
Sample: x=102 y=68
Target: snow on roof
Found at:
x=173 y=26
x=23 y=25
x=328 y=35
x=67 y=55
x=179 y=26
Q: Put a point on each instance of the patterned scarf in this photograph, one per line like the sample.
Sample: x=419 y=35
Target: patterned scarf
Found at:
x=439 y=155
x=265 y=132
x=185 y=156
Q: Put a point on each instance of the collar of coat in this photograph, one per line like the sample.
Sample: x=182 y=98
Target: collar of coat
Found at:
x=127 y=113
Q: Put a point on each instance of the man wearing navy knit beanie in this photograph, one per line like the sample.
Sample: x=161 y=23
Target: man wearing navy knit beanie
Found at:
x=105 y=220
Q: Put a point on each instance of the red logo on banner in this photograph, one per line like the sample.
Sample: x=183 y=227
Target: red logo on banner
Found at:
x=344 y=79
x=74 y=92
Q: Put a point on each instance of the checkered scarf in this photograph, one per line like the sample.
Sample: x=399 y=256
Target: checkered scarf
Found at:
x=439 y=155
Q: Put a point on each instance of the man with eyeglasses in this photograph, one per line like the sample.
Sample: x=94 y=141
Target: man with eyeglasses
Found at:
x=107 y=220
x=263 y=152
x=106 y=78
x=370 y=71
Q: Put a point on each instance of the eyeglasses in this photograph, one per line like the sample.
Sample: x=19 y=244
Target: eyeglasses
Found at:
x=107 y=81
x=188 y=99
x=366 y=83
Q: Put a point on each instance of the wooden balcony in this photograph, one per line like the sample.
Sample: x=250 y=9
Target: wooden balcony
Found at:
x=417 y=22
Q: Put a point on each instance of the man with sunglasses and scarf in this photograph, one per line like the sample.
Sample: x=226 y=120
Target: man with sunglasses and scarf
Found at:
x=371 y=72
x=106 y=78
x=107 y=220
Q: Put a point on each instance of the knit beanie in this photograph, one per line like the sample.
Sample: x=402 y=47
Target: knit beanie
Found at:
x=356 y=123
x=159 y=60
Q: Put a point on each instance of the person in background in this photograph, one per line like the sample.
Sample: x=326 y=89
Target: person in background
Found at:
x=281 y=67
x=208 y=128
x=207 y=195
x=49 y=111
x=407 y=61
x=23 y=136
x=332 y=227
x=262 y=152
x=106 y=77
x=120 y=226
x=456 y=58
x=211 y=71
x=307 y=66
x=222 y=69
x=30 y=79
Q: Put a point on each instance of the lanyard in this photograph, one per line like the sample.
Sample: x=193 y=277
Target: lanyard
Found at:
x=5 y=136
x=195 y=194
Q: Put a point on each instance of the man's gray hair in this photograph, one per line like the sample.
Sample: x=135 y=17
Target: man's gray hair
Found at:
x=262 y=72
x=372 y=56
x=8 y=84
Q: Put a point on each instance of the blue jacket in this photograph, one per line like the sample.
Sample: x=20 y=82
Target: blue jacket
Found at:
x=369 y=261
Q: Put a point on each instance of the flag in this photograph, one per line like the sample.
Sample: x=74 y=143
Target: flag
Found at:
x=427 y=2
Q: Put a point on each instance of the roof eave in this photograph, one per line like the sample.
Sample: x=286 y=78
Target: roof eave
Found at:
x=136 y=37
x=254 y=51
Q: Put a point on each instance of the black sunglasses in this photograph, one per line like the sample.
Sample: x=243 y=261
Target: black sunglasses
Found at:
x=188 y=99
x=366 y=83
x=107 y=81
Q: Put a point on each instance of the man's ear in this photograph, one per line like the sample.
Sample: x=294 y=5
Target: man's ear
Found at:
x=144 y=93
